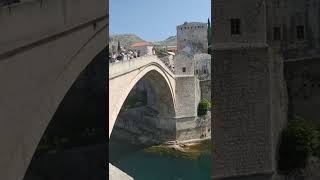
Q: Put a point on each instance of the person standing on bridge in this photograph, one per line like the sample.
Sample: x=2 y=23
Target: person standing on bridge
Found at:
x=135 y=54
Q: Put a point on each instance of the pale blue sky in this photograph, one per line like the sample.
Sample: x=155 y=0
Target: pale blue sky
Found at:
x=155 y=20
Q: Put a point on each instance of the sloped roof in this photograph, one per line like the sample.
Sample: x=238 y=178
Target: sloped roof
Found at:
x=139 y=44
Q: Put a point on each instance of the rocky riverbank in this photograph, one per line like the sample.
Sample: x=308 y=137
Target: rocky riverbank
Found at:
x=189 y=149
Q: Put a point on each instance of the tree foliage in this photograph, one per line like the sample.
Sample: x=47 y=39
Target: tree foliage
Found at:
x=298 y=141
x=203 y=107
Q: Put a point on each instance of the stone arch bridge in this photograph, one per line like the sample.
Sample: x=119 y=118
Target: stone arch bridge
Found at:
x=124 y=75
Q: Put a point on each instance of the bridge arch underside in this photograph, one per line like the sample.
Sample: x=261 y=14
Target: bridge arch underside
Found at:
x=161 y=87
x=40 y=77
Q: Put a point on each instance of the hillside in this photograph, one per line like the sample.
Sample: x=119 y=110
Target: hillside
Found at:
x=127 y=40
x=170 y=41
x=124 y=39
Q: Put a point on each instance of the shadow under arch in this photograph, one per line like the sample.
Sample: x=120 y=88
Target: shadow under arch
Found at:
x=74 y=141
x=94 y=46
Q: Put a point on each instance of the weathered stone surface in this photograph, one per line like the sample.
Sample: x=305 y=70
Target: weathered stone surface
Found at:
x=303 y=80
x=43 y=48
x=248 y=93
x=242 y=117
x=193 y=127
x=205 y=87
x=193 y=34
x=117 y=174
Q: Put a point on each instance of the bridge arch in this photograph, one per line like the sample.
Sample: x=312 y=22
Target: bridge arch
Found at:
x=40 y=76
x=160 y=80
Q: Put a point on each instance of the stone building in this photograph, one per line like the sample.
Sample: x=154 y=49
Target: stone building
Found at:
x=190 y=58
x=145 y=48
x=249 y=109
x=193 y=34
x=203 y=66
x=184 y=64
x=293 y=27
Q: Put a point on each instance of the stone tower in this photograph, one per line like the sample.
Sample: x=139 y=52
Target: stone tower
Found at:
x=247 y=116
x=193 y=34
x=187 y=86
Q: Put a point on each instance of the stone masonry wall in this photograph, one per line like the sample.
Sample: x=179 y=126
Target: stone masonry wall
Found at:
x=279 y=101
x=193 y=127
x=303 y=80
x=193 y=35
x=242 y=125
x=205 y=87
x=186 y=96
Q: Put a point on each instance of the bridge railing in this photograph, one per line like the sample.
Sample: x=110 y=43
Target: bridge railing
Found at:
x=121 y=67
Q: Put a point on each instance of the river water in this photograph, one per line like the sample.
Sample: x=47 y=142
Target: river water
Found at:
x=142 y=164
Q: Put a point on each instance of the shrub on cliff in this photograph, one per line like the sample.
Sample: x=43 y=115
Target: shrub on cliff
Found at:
x=298 y=141
x=203 y=107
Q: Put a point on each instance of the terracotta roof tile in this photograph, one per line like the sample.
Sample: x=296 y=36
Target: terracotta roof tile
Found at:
x=139 y=44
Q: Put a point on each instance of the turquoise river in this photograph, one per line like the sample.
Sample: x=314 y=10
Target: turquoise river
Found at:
x=162 y=163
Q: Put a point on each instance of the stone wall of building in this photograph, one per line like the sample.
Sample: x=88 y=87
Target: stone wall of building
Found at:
x=303 y=80
x=287 y=16
x=279 y=100
x=244 y=113
x=193 y=127
x=193 y=34
x=187 y=96
x=252 y=21
x=181 y=61
x=205 y=87
x=203 y=66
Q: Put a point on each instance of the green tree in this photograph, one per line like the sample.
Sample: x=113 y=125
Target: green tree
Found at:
x=203 y=107
x=298 y=141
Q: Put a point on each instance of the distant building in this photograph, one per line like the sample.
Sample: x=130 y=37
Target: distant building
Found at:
x=145 y=48
x=193 y=34
x=203 y=66
x=192 y=57
x=184 y=64
x=172 y=49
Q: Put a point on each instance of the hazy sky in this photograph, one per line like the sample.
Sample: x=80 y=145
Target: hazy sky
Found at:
x=155 y=20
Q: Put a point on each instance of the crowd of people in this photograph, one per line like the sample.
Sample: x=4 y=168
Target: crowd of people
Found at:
x=124 y=55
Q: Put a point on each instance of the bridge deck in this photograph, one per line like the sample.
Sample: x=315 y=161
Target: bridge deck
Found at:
x=122 y=67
